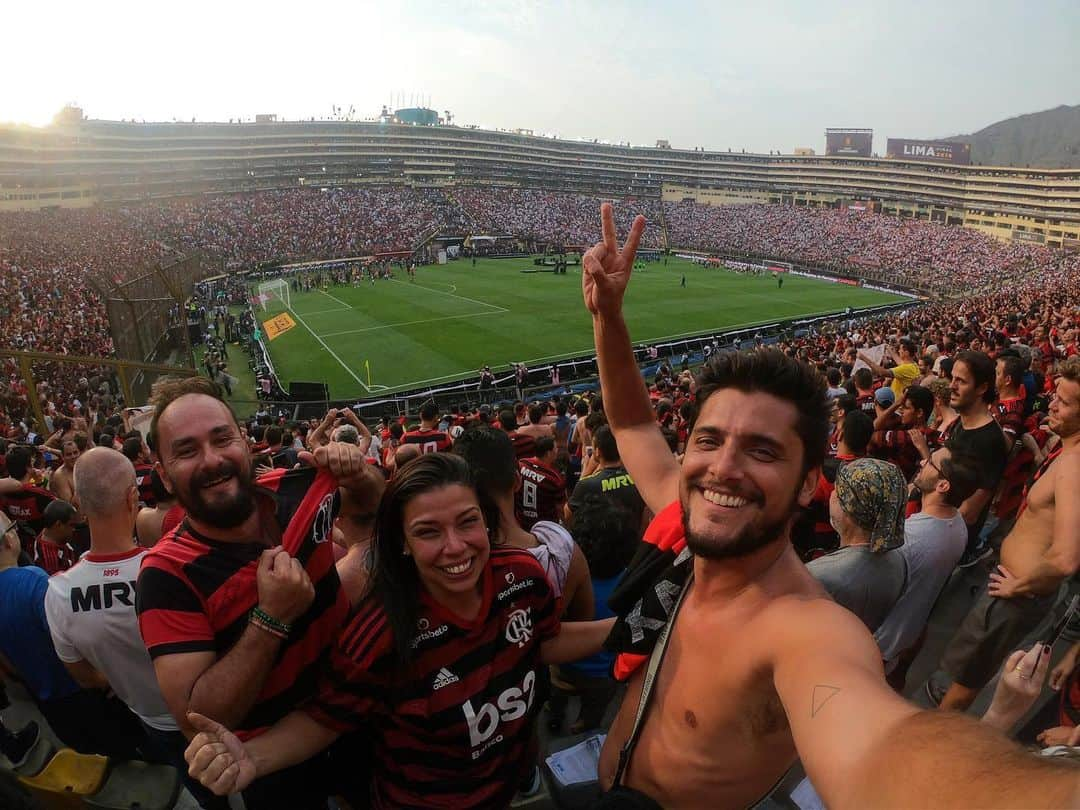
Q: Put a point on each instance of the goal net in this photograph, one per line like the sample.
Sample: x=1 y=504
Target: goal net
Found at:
x=272 y=292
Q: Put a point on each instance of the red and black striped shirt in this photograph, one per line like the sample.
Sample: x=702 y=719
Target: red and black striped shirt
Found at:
x=27 y=506
x=430 y=441
x=542 y=493
x=52 y=557
x=142 y=481
x=1009 y=414
x=195 y=593
x=524 y=444
x=457 y=730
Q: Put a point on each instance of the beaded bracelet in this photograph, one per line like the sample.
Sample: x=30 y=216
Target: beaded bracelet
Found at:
x=266 y=618
x=267 y=628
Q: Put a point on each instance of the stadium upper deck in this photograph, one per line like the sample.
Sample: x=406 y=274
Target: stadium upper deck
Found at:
x=85 y=162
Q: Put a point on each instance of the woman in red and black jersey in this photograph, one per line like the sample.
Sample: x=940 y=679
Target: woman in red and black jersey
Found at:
x=438 y=661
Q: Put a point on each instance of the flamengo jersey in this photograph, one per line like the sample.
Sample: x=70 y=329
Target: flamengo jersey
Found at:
x=142 y=481
x=430 y=441
x=542 y=493
x=195 y=593
x=27 y=506
x=1009 y=414
x=91 y=612
x=456 y=732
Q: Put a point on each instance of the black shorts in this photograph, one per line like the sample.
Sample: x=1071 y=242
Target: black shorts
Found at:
x=992 y=629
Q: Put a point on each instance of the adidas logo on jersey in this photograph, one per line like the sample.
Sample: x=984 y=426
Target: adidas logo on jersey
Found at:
x=444 y=678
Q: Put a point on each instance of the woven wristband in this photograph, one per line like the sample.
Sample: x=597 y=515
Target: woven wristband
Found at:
x=266 y=618
x=267 y=628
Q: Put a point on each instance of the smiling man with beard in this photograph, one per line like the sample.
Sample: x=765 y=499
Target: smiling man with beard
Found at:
x=752 y=665
x=240 y=603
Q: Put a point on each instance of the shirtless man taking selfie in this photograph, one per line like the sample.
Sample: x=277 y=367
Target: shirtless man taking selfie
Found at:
x=762 y=667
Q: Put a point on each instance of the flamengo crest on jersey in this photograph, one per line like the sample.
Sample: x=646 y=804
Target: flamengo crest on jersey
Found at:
x=519 y=627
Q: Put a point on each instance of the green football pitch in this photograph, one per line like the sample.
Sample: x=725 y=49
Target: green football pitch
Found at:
x=455 y=318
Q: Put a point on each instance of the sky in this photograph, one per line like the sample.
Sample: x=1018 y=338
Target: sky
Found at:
x=718 y=75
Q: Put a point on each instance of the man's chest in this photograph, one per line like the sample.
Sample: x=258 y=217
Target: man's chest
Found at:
x=1040 y=494
x=716 y=692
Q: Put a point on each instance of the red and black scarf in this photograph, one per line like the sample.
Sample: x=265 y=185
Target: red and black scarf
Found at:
x=648 y=591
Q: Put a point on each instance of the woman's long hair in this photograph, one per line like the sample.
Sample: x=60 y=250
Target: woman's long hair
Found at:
x=395 y=581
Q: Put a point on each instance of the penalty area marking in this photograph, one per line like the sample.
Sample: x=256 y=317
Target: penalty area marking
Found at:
x=333 y=354
x=327 y=311
x=328 y=295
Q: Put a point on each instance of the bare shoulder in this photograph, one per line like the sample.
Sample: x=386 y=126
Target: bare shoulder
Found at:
x=1067 y=464
x=800 y=622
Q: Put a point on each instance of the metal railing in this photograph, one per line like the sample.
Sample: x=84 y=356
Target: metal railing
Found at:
x=53 y=377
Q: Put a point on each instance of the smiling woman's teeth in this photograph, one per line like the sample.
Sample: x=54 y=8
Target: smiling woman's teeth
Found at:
x=721 y=499
x=460 y=568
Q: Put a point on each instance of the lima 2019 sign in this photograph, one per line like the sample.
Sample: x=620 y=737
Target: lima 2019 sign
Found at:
x=937 y=151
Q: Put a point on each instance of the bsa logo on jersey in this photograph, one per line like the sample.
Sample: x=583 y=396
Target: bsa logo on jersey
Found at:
x=324 y=520
x=519 y=627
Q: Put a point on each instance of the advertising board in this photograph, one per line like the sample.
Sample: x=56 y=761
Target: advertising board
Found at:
x=953 y=152
x=849 y=142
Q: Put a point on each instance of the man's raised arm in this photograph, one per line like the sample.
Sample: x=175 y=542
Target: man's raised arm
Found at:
x=605 y=272
x=864 y=746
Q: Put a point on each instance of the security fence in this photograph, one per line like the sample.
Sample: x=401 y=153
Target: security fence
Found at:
x=147 y=315
x=96 y=382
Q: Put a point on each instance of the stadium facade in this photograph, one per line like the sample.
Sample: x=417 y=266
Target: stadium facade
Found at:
x=81 y=162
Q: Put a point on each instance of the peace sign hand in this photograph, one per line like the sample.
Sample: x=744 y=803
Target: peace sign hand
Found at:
x=605 y=270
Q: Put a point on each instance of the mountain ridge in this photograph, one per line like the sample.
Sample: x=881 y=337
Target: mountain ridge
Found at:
x=1048 y=139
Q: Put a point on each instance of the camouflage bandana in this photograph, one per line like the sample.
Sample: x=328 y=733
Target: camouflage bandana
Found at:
x=873 y=492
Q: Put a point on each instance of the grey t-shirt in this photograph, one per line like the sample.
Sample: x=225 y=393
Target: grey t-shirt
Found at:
x=932 y=548
x=866 y=583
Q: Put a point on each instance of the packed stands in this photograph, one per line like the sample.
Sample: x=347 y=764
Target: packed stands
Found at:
x=940 y=257
x=54 y=263
x=564 y=219
x=1026 y=308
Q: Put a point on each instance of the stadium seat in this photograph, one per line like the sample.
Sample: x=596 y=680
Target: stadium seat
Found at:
x=67 y=778
x=137 y=786
x=36 y=758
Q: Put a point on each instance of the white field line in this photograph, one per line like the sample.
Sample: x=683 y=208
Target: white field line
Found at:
x=331 y=351
x=328 y=295
x=411 y=323
x=452 y=295
x=326 y=311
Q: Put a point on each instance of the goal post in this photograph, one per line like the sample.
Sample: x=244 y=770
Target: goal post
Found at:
x=274 y=290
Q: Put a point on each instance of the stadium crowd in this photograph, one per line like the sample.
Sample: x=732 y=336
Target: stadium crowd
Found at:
x=272 y=226
x=480 y=553
x=547 y=216
x=928 y=254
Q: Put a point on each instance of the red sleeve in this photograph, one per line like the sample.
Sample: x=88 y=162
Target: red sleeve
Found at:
x=350 y=688
x=172 y=617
